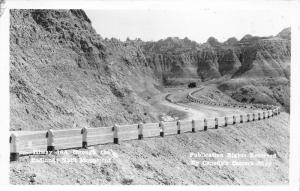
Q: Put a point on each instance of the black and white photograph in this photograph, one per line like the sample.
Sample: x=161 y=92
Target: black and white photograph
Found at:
x=150 y=93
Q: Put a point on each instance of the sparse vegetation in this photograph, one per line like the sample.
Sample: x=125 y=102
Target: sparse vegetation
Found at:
x=62 y=70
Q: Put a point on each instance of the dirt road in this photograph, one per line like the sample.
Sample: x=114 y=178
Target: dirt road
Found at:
x=196 y=110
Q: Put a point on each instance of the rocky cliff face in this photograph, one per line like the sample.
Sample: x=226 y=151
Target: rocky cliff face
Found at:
x=264 y=57
x=61 y=70
x=250 y=57
x=264 y=75
x=259 y=65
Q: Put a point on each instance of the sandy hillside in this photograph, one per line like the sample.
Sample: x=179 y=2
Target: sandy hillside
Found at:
x=167 y=160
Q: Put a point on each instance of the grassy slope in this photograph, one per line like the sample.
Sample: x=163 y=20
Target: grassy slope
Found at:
x=166 y=160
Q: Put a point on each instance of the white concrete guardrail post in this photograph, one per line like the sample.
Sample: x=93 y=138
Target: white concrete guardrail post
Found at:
x=216 y=123
x=248 y=117
x=116 y=135
x=50 y=140
x=162 y=129
x=140 y=129
x=253 y=116
x=193 y=126
x=205 y=124
x=84 y=137
x=241 y=118
x=264 y=115
x=226 y=121
x=234 y=119
x=14 y=154
x=271 y=113
x=268 y=113
x=178 y=126
x=259 y=115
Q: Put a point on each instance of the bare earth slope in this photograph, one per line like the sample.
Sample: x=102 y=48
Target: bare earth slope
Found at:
x=167 y=160
x=63 y=72
x=263 y=62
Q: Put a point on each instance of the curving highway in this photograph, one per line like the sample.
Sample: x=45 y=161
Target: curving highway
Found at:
x=196 y=110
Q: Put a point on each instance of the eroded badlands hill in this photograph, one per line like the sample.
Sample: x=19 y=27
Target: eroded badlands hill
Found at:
x=62 y=71
x=261 y=65
x=249 y=57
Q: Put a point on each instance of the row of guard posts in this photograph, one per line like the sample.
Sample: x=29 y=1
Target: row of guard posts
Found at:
x=234 y=105
x=14 y=154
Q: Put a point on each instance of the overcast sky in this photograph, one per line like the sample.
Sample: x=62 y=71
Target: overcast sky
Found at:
x=198 y=25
